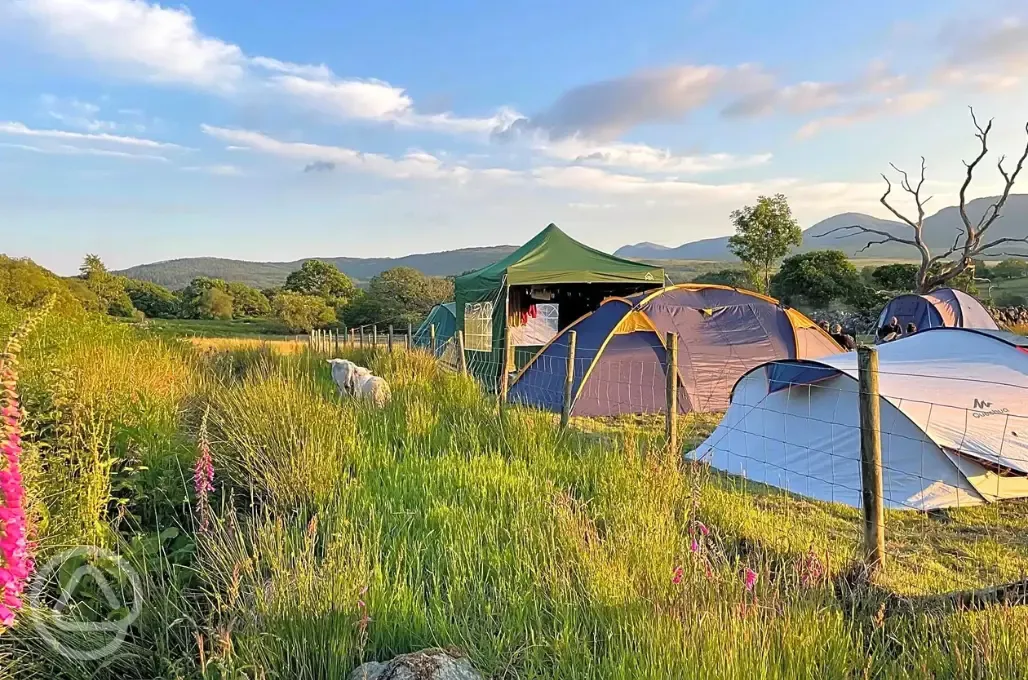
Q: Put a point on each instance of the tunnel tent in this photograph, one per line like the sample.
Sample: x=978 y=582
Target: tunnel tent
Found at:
x=621 y=361
x=444 y=318
x=942 y=308
x=551 y=269
x=954 y=423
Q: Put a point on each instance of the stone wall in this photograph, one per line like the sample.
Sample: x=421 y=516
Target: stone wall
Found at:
x=1011 y=316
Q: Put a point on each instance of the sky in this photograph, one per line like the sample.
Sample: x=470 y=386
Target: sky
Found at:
x=277 y=130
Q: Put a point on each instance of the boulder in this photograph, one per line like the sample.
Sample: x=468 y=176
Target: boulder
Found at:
x=428 y=664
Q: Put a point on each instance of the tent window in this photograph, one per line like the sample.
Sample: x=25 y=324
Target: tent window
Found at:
x=478 y=326
x=535 y=326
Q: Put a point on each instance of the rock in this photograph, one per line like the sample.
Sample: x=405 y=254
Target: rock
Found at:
x=428 y=664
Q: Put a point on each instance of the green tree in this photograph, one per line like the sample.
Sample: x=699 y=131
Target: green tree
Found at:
x=156 y=302
x=26 y=285
x=764 y=234
x=403 y=295
x=191 y=296
x=108 y=288
x=303 y=313
x=248 y=302
x=213 y=303
x=1010 y=269
x=818 y=277
x=895 y=277
x=736 y=278
x=319 y=278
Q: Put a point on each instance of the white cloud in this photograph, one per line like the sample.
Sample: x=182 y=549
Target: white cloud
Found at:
x=809 y=96
x=908 y=102
x=984 y=56
x=643 y=157
x=76 y=114
x=413 y=165
x=134 y=38
x=21 y=130
x=360 y=99
x=68 y=150
x=319 y=71
x=221 y=170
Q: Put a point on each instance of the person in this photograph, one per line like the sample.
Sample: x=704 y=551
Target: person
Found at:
x=824 y=327
x=845 y=340
x=911 y=328
x=891 y=330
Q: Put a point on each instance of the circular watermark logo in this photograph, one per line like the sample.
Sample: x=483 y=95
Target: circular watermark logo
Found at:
x=83 y=602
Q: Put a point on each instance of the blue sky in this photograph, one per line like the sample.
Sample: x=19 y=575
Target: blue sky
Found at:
x=277 y=130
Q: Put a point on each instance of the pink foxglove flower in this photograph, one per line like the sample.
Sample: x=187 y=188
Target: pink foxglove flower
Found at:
x=676 y=578
x=749 y=579
x=203 y=477
x=17 y=562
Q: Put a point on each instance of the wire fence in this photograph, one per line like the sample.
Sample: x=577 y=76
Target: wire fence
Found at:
x=902 y=461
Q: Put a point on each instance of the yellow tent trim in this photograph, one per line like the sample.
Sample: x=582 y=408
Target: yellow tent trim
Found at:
x=635 y=321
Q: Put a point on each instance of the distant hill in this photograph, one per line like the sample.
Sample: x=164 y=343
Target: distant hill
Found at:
x=940 y=230
x=175 y=274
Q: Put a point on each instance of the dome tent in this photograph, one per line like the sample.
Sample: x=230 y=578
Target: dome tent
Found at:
x=954 y=423
x=942 y=308
x=444 y=318
x=620 y=358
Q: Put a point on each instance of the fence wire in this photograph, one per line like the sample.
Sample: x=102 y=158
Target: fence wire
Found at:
x=954 y=462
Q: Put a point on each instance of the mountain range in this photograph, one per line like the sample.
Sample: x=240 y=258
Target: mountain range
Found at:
x=940 y=230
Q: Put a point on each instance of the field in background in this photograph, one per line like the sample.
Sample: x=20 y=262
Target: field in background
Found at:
x=212 y=328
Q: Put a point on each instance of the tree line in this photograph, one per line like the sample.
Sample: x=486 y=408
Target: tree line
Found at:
x=766 y=233
x=317 y=295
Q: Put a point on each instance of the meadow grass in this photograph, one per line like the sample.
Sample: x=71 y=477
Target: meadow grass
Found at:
x=539 y=553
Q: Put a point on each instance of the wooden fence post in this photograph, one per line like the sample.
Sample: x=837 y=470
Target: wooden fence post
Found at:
x=362 y=337
x=871 y=458
x=390 y=338
x=431 y=338
x=671 y=421
x=410 y=337
x=508 y=351
x=569 y=379
x=462 y=358
x=374 y=336
x=337 y=339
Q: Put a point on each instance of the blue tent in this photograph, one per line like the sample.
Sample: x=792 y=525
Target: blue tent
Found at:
x=444 y=318
x=621 y=361
x=942 y=308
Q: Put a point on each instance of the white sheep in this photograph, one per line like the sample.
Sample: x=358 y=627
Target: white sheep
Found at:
x=354 y=380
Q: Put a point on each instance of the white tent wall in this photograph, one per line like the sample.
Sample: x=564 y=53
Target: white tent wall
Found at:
x=806 y=440
x=954 y=426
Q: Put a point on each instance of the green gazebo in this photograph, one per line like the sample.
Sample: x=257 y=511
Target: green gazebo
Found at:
x=552 y=267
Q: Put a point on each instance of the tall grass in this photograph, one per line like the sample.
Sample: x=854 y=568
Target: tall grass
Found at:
x=344 y=533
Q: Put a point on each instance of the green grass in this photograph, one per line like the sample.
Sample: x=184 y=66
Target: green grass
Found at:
x=537 y=552
x=233 y=328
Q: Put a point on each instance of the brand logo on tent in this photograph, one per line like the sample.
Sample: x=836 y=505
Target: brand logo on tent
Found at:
x=984 y=408
x=648 y=277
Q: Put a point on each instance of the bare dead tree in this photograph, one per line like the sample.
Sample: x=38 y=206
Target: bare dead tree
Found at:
x=970 y=241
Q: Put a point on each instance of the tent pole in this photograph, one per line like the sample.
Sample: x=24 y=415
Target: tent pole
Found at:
x=871 y=459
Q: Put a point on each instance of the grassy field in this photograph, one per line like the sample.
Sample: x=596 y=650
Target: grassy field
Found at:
x=213 y=328
x=338 y=533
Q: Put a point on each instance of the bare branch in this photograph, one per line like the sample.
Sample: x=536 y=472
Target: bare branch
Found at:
x=983 y=137
x=884 y=201
x=875 y=243
x=953 y=249
x=860 y=229
x=1008 y=184
x=1006 y=239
